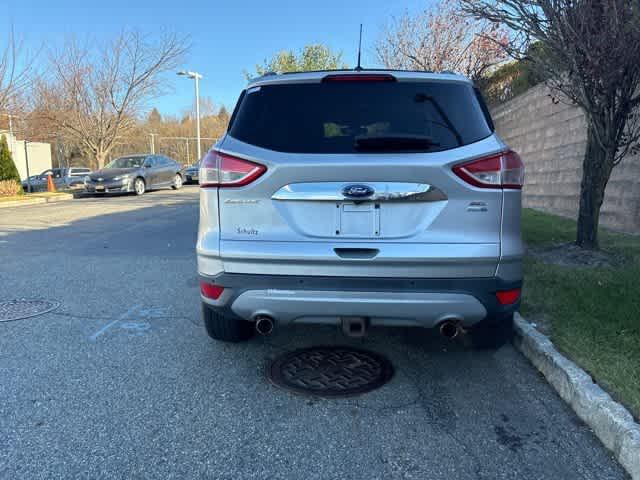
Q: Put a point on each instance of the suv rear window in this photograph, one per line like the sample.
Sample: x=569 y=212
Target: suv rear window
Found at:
x=334 y=117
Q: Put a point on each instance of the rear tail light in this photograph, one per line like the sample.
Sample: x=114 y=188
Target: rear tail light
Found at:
x=504 y=170
x=210 y=290
x=222 y=170
x=508 y=297
x=359 y=77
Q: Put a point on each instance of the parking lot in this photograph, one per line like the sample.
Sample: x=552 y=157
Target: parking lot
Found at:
x=121 y=381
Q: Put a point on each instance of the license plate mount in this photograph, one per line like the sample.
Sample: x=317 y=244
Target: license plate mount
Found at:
x=358 y=220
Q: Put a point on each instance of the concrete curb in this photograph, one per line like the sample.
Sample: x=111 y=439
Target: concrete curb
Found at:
x=38 y=200
x=610 y=421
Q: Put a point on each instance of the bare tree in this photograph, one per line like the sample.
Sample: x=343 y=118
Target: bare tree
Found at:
x=95 y=96
x=440 y=39
x=591 y=55
x=16 y=69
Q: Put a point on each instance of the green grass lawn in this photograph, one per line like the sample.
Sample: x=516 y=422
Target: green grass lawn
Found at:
x=591 y=313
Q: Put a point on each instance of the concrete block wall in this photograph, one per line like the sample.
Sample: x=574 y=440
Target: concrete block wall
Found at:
x=551 y=137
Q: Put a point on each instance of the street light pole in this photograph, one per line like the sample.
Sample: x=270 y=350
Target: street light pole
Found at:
x=196 y=77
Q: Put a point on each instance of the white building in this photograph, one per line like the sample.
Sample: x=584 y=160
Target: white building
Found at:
x=39 y=155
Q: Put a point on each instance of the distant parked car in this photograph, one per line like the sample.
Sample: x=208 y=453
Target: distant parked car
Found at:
x=135 y=173
x=62 y=178
x=36 y=183
x=191 y=173
x=74 y=176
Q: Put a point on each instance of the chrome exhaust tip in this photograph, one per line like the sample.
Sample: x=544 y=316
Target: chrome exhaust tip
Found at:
x=264 y=325
x=449 y=329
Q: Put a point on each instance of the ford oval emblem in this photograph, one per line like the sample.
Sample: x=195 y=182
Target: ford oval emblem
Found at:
x=358 y=191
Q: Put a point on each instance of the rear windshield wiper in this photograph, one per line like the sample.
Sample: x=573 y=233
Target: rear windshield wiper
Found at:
x=421 y=97
x=383 y=143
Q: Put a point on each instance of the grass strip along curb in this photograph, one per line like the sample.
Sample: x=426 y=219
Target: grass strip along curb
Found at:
x=34 y=199
x=610 y=421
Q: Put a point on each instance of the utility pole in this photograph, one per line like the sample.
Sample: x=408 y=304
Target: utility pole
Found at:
x=188 y=160
x=26 y=161
x=59 y=157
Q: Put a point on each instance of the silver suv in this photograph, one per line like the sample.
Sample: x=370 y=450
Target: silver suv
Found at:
x=360 y=198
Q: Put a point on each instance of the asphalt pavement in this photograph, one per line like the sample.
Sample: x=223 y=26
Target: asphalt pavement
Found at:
x=121 y=380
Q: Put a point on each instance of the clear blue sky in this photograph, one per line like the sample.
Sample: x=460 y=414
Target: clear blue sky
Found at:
x=227 y=37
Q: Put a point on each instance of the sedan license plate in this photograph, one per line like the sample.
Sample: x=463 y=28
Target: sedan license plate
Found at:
x=99 y=188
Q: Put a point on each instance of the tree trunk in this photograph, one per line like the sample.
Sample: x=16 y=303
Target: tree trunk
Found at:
x=597 y=166
x=100 y=158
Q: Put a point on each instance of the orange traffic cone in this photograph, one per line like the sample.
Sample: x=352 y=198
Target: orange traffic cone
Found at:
x=51 y=187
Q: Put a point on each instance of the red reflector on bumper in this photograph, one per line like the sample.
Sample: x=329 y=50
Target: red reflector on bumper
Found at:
x=211 y=291
x=507 y=297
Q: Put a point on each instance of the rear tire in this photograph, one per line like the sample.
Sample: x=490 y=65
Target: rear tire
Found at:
x=225 y=328
x=491 y=334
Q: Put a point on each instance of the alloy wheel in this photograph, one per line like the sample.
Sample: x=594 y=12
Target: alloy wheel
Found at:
x=139 y=186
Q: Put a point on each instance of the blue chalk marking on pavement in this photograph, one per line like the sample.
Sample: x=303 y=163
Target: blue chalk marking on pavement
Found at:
x=122 y=317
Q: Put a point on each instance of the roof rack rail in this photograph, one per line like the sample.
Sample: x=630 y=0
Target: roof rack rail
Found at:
x=346 y=70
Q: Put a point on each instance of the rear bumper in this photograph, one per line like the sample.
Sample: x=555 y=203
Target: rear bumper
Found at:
x=384 y=301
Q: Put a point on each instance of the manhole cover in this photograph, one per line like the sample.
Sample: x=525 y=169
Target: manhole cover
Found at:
x=330 y=371
x=19 y=309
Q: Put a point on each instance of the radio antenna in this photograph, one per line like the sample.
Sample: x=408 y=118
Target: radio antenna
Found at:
x=359 y=67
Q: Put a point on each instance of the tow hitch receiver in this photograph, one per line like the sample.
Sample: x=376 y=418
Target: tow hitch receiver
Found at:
x=355 y=326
